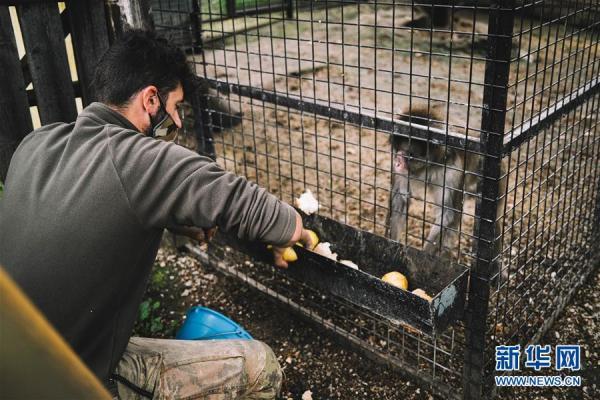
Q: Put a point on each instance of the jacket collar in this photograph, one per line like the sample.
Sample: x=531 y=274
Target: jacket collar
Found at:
x=107 y=115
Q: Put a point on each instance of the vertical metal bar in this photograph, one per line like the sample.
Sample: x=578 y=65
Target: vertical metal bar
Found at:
x=231 y=8
x=247 y=69
x=199 y=99
x=497 y=70
x=554 y=136
x=375 y=108
x=289 y=11
x=196 y=24
x=202 y=126
x=306 y=151
x=254 y=151
x=566 y=188
x=328 y=20
x=573 y=215
x=302 y=113
x=418 y=158
x=596 y=222
x=287 y=35
x=411 y=69
x=595 y=176
x=277 y=157
x=344 y=86
x=360 y=127
x=443 y=233
x=468 y=128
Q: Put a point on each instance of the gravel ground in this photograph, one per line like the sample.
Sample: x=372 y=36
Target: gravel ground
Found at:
x=316 y=362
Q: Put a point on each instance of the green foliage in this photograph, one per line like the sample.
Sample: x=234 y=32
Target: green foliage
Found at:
x=149 y=318
x=147 y=307
x=1 y=188
x=154 y=317
x=158 y=278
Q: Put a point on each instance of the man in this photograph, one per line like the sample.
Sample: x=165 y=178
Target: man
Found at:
x=82 y=216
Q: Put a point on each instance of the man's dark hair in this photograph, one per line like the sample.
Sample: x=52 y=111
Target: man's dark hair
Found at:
x=136 y=60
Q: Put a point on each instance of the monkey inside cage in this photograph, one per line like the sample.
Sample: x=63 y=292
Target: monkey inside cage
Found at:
x=455 y=139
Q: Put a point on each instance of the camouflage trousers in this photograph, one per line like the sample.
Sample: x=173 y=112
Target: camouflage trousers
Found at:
x=199 y=369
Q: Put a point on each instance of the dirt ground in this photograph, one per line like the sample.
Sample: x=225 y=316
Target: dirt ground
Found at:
x=316 y=361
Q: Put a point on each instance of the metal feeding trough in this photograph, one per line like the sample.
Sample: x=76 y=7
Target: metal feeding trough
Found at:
x=444 y=281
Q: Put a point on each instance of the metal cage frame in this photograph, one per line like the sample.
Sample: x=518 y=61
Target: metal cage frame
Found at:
x=499 y=139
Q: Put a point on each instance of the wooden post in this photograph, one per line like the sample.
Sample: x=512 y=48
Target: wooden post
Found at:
x=15 y=120
x=202 y=126
x=90 y=40
x=45 y=45
x=196 y=22
x=131 y=14
x=231 y=8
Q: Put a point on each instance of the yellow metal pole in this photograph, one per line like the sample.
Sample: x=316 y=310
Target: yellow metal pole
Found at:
x=35 y=361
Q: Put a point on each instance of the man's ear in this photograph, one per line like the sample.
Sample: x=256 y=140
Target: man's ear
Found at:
x=150 y=101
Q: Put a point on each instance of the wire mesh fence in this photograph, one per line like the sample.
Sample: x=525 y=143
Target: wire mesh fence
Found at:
x=465 y=129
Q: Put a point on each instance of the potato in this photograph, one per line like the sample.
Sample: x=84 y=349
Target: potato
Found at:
x=289 y=255
x=421 y=293
x=395 y=278
x=314 y=239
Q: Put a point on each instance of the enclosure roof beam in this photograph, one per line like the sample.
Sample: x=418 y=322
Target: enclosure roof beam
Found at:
x=543 y=120
x=222 y=16
x=367 y=118
x=245 y=12
x=353 y=115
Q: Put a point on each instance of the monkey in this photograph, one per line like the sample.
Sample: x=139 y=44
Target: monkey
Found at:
x=443 y=172
x=222 y=115
x=436 y=15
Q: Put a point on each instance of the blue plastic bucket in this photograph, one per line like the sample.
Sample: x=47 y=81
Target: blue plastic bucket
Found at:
x=203 y=323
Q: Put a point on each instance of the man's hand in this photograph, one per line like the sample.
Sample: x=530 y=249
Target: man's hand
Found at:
x=300 y=235
x=200 y=235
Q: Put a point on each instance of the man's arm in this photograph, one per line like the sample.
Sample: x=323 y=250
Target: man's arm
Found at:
x=200 y=235
x=300 y=235
x=168 y=186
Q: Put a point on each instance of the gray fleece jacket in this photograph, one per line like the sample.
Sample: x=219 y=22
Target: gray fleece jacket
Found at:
x=82 y=216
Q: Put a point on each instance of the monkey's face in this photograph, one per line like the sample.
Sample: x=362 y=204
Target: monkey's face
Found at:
x=400 y=162
x=409 y=152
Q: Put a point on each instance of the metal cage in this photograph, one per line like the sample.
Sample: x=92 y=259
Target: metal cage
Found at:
x=311 y=94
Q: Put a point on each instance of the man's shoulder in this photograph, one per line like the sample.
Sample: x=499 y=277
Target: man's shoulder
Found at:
x=47 y=133
x=55 y=127
x=123 y=139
